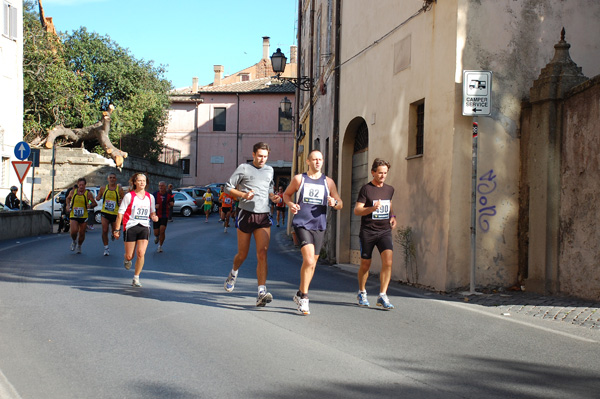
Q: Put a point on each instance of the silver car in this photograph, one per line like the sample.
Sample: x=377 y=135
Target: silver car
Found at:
x=184 y=204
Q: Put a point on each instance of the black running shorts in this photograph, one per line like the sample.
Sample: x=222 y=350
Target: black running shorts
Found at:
x=314 y=237
x=368 y=241
x=136 y=233
x=248 y=221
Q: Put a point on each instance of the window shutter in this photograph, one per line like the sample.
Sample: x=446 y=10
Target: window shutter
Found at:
x=13 y=23
x=6 y=24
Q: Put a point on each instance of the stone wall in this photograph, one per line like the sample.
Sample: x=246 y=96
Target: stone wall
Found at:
x=24 y=224
x=73 y=163
x=579 y=251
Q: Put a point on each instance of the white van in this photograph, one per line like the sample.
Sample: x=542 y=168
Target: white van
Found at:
x=59 y=199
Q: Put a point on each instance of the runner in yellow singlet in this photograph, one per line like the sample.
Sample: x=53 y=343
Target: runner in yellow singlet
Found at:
x=208 y=203
x=111 y=196
x=77 y=203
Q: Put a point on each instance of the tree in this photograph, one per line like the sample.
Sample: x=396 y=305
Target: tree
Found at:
x=71 y=81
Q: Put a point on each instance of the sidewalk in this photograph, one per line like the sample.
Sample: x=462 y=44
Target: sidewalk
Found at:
x=562 y=309
x=552 y=308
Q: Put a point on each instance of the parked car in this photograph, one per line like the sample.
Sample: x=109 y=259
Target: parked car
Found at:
x=184 y=204
x=197 y=193
x=59 y=200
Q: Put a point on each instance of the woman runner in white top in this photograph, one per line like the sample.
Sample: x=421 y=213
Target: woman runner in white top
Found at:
x=135 y=211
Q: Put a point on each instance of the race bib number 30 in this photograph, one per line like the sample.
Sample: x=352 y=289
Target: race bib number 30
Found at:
x=313 y=194
x=384 y=210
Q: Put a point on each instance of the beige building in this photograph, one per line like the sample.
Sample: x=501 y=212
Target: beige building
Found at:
x=400 y=98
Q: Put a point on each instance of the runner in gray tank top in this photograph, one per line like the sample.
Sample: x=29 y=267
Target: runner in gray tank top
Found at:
x=315 y=193
x=253 y=185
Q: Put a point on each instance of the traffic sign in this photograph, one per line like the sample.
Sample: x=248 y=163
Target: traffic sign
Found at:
x=21 y=167
x=477 y=93
x=22 y=150
x=34 y=157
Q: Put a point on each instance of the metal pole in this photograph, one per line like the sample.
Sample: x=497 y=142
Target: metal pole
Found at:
x=52 y=191
x=474 y=206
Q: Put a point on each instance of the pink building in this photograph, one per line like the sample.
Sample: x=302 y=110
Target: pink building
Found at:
x=215 y=126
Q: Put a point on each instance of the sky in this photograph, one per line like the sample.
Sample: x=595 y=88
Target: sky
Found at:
x=189 y=37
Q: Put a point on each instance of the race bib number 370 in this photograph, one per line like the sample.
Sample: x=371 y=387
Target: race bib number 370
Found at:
x=384 y=210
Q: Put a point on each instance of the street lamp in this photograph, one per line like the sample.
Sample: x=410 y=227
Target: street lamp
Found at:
x=278 y=62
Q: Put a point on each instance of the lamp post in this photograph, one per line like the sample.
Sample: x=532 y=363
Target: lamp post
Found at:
x=278 y=62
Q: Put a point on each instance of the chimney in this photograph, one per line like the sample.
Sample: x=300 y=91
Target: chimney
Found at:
x=265 y=47
x=293 y=54
x=194 y=85
x=219 y=69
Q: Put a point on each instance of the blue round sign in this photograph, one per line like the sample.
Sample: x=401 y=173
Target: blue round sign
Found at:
x=22 y=150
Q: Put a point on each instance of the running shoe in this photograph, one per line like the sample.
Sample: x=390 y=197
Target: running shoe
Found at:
x=302 y=305
x=136 y=282
x=127 y=264
x=362 y=299
x=106 y=252
x=263 y=298
x=78 y=250
x=225 y=230
x=156 y=239
x=384 y=302
x=159 y=249
x=230 y=282
x=73 y=245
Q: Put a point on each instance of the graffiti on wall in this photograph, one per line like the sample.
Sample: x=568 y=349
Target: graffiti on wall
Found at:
x=485 y=187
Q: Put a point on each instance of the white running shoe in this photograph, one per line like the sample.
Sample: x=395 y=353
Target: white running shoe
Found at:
x=302 y=304
x=230 y=282
x=263 y=298
x=136 y=282
x=78 y=250
x=225 y=230
x=73 y=245
x=127 y=264
x=159 y=249
x=106 y=252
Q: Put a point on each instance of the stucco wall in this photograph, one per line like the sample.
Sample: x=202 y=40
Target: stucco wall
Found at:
x=513 y=39
x=579 y=255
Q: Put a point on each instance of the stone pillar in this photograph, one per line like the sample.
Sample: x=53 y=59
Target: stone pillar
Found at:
x=543 y=154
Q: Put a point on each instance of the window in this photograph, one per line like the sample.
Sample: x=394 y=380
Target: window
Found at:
x=219 y=120
x=285 y=121
x=10 y=21
x=244 y=77
x=317 y=60
x=185 y=166
x=416 y=130
x=329 y=25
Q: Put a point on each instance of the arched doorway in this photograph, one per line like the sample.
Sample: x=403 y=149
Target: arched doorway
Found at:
x=360 y=176
x=354 y=173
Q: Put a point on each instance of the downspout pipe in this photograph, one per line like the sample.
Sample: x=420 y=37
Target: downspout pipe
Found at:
x=297 y=99
x=311 y=74
x=237 y=133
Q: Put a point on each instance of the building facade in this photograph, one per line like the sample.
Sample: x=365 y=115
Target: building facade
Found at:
x=215 y=126
x=400 y=98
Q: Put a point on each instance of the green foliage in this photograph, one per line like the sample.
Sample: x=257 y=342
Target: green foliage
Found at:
x=69 y=80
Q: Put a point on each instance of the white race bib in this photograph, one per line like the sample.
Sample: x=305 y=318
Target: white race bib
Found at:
x=384 y=210
x=141 y=213
x=313 y=194
x=78 y=212
x=110 y=205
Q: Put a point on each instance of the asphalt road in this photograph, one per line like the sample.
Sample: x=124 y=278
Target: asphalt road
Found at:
x=71 y=326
